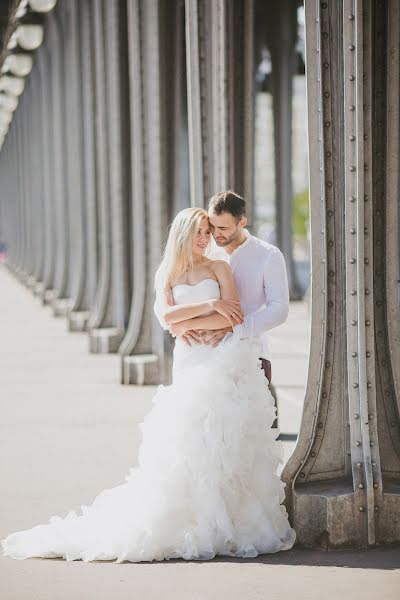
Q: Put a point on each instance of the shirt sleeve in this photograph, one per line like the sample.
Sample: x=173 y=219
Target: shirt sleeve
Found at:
x=160 y=307
x=276 y=299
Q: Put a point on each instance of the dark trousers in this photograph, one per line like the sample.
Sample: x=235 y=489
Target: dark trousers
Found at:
x=266 y=367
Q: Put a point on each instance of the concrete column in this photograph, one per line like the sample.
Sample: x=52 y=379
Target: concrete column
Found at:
x=221 y=102
x=7 y=227
x=343 y=479
x=143 y=355
x=19 y=228
x=384 y=246
x=24 y=271
x=98 y=311
x=283 y=33
x=197 y=86
x=220 y=65
x=37 y=196
x=9 y=200
x=75 y=174
x=88 y=157
x=232 y=66
x=119 y=156
x=21 y=241
x=109 y=317
x=27 y=258
x=61 y=301
x=390 y=318
x=178 y=161
x=46 y=73
x=24 y=238
x=137 y=338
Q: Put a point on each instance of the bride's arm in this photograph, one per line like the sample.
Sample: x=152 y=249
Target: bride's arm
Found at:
x=168 y=313
x=184 y=312
x=229 y=293
x=228 y=305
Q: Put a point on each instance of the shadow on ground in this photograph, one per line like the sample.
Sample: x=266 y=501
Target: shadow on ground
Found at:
x=381 y=558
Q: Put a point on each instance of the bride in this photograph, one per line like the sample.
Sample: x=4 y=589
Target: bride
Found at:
x=206 y=483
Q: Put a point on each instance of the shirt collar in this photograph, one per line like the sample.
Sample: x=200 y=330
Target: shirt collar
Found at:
x=245 y=243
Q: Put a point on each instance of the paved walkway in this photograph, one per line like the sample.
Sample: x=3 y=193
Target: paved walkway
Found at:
x=68 y=429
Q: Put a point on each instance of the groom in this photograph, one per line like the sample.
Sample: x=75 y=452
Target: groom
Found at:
x=258 y=269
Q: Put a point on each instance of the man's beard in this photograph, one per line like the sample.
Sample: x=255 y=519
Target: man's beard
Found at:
x=228 y=241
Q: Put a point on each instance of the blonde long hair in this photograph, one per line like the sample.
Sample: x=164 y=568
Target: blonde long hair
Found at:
x=178 y=258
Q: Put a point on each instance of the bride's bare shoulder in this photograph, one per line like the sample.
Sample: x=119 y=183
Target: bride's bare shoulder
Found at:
x=220 y=267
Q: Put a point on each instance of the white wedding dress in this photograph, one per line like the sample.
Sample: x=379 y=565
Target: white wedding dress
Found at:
x=206 y=483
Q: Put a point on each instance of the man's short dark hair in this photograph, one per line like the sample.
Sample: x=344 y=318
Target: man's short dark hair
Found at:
x=228 y=202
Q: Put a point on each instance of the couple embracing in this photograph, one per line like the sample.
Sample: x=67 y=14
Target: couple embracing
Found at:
x=253 y=290
x=206 y=482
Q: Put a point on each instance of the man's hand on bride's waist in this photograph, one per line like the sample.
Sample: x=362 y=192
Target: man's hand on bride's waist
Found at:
x=213 y=337
x=209 y=337
x=192 y=337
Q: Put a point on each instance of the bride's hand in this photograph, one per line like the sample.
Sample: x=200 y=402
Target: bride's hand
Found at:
x=177 y=329
x=230 y=309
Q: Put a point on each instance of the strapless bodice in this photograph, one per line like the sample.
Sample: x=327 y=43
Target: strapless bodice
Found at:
x=206 y=289
x=184 y=293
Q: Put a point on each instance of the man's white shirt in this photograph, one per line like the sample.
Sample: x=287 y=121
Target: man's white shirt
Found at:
x=260 y=276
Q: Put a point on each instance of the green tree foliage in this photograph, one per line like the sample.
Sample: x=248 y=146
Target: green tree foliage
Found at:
x=301 y=213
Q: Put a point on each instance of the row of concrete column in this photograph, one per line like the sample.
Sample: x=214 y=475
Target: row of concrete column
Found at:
x=205 y=72
x=124 y=121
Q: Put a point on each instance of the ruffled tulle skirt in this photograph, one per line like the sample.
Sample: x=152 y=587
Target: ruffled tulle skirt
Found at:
x=206 y=483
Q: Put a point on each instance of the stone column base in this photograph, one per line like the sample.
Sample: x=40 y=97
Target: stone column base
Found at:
x=338 y=519
x=61 y=306
x=388 y=515
x=331 y=505
x=21 y=275
x=105 y=340
x=141 y=369
x=38 y=289
x=77 y=320
x=48 y=296
x=31 y=282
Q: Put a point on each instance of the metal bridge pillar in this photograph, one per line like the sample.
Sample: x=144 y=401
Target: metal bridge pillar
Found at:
x=343 y=478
